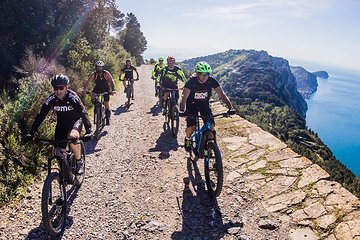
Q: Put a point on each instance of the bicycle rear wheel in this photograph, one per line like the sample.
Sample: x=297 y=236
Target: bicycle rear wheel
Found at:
x=213 y=169
x=53 y=204
x=175 y=120
x=80 y=178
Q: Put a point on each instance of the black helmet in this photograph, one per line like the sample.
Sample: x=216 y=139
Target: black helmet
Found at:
x=59 y=80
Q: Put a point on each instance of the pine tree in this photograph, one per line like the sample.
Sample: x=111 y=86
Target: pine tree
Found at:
x=132 y=38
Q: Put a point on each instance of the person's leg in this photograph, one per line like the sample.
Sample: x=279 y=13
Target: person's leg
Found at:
x=190 y=127
x=165 y=100
x=107 y=108
x=124 y=83
x=76 y=148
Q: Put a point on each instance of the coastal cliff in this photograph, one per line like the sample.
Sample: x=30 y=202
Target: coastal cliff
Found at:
x=306 y=82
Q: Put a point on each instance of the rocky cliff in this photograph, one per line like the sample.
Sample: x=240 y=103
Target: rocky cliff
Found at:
x=321 y=74
x=306 y=82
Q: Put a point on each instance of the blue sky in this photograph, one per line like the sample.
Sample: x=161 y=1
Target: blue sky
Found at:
x=324 y=32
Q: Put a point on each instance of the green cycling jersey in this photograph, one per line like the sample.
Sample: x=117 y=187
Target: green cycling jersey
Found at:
x=156 y=72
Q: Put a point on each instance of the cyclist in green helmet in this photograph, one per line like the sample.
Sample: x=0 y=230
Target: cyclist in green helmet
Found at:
x=155 y=73
x=196 y=98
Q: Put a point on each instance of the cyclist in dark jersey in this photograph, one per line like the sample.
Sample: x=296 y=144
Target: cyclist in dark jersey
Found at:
x=70 y=113
x=127 y=74
x=169 y=78
x=196 y=96
x=104 y=83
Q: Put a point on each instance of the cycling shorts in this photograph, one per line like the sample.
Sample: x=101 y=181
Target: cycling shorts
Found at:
x=193 y=110
x=98 y=91
x=62 y=131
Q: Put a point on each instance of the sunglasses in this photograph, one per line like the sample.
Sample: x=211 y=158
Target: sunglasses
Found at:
x=204 y=74
x=59 y=88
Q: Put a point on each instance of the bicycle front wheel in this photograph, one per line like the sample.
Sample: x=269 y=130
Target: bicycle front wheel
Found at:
x=175 y=120
x=53 y=204
x=128 y=95
x=213 y=169
x=98 y=122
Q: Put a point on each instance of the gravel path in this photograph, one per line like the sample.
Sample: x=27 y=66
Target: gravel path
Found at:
x=138 y=185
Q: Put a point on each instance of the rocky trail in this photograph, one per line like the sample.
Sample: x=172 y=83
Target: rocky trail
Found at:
x=139 y=184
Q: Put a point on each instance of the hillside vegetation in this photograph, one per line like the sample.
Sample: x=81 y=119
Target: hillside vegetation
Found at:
x=37 y=43
x=264 y=90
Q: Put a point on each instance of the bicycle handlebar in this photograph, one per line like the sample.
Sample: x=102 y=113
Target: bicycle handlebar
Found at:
x=56 y=142
x=171 y=89
x=223 y=114
x=98 y=94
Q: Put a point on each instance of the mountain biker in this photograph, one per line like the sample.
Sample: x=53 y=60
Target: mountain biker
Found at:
x=104 y=83
x=70 y=114
x=169 y=78
x=155 y=73
x=128 y=70
x=195 y=97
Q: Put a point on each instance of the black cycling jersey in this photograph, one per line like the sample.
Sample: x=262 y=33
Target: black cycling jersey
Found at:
x=68 y=110
x=198 y=99
x=129 y=74
x=200 y=93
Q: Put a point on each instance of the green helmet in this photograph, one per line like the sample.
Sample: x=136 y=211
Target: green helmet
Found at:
x=203 y=67
x=161 y=59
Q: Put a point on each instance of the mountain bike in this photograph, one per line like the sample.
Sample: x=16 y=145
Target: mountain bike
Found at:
x=204 y=146
x=129 y=90
x=172 y=111
x=60 y=175
x=99 y=113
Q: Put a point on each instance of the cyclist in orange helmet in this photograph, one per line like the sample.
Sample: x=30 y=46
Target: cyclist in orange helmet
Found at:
x=169 y=78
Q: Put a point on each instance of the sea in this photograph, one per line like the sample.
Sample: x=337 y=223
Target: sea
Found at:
x=334 y=114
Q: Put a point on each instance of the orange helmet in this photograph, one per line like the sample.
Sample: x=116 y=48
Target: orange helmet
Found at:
x=170 y=59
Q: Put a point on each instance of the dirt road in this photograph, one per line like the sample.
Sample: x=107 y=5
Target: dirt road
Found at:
x=138 y=184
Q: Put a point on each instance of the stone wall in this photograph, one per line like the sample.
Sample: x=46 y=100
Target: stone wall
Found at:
x=288 y=186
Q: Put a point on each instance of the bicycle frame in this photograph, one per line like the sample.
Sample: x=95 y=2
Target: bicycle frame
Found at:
x=172 y=112
x=64 y=158
x=99 y=112
x=199 y=136
x=99 y=103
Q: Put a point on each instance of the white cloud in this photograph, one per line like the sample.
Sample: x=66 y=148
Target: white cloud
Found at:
x=260 y=10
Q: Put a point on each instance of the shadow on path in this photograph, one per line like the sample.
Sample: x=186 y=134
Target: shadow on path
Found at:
x=165 y=143
x=90 y=146
x=122 y=109
x=201 y=214
x=155 y=110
